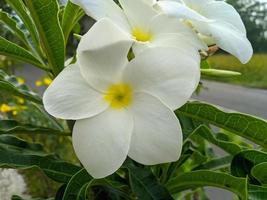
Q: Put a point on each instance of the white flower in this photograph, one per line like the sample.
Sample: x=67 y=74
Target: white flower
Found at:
x=215 y=20
x=123 y=108
x=143 y=23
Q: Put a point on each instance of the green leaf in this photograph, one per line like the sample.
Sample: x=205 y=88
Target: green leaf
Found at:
x=243 y=163
x=11 y=49
x=205 y=64
x=246 y=126
x=11 y=24
x=14 y=127
x=192 y=162
x=72 y=14
x=219 y=73
x=19 y=154
x=215 y=164
x=145 y=185
x=45 y=16
x=23 y=13
x=11 y=85
x=77 y=183
x=260 y=173
x=195 y=179
x=204 y=132
x=16 y=197
x=257 y=192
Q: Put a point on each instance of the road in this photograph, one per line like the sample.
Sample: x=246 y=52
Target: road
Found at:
x=242 y=99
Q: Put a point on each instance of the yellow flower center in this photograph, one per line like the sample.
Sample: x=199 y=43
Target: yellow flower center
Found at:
x=119 y=95
x=141 y=35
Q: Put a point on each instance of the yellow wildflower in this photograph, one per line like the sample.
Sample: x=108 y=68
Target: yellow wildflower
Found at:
x=47 y=81
x=21 y=80
x=38 y=83
x=4 y=108
x=20 y=100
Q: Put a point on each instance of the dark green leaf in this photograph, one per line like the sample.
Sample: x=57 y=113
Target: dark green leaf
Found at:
x=11 y=24
x=77 y=183
x=19 y=154
x=10 y=49
x=22 y=12
x=257 y=192
x=246 y=126
x=72 y=14
x=145 y=185
x=206 y=133
x=216 y=164
x=260 y=172
x=14 y=127
x=243 y=162
x=195 y=179
x=10 y=85
x=45 y=16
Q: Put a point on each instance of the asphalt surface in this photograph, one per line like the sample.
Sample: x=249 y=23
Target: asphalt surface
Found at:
x=238 y=98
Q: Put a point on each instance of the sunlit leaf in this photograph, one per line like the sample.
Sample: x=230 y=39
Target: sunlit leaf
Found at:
x=45 y=16
x=195 y=179
x=246 y=126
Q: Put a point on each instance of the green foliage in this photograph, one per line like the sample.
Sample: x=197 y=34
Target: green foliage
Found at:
x=253 y=74
x=19 y=154
x=45 y=15
x=246 y=126
x=8 y=48
x=11 y=85
x=72 y=14
x=145 y=185
x=208 y=178
x=12 y=25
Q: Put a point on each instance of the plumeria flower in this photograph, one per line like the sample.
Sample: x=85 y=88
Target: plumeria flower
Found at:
x=216 y=21
x=123 y=107
x=141 y=22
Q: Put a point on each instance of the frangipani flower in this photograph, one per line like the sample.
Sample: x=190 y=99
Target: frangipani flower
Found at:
x=216 y=21
x=123 y=108
x=143 y=23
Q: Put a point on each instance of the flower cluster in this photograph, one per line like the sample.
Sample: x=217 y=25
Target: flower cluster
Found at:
x=124 y=107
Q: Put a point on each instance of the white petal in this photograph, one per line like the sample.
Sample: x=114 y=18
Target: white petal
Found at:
x=230 y=39
x=223 y=11
x=138 y=12
x=163 y=26
x=165 y=72
x=180 y=11
x=151 y=2
x=102 y=54
x=157 y=135
x=70 y=97
x=102 y=142
x=99 y=9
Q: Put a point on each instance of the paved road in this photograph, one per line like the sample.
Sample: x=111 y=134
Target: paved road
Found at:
x=242 y=99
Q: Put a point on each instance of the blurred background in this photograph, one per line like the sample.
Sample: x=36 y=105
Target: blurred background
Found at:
x=246 y=93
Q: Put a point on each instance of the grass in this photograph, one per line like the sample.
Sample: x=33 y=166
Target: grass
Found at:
x=254 y=73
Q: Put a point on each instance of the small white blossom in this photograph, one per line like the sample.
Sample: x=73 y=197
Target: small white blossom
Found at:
x=216 y=22
x=141 y=22
x=11 y=183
